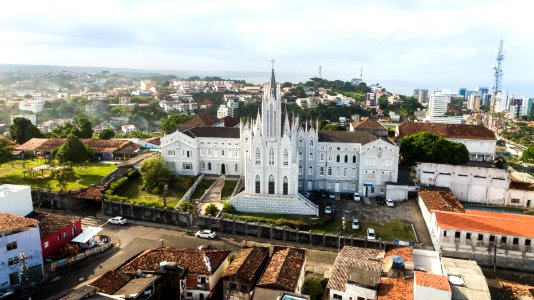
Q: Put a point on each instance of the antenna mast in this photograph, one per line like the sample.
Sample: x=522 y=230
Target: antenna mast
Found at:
x=321 y=72
x=497 y=86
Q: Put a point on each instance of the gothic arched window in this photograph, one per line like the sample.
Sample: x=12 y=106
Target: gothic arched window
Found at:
x=286 y=157
x=322 y=156
x=258 y=184
x=271 y=184
x=300 y=155
x=346 y=158
x=354 y=159
x=271 y=157
x=330 y=171
x=285 y=186
x=338 y=158
x=310 y=170
x=258 y=156
x=321 y=171
x=311 y=143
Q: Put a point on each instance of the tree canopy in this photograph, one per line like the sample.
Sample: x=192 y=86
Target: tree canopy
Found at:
x=106 y=134
x=72 y=151
x=528 y=154
x=427 y=147
x=85 y=128
x=23 y=130
x=172 y=121
x=155 y=174
x=5 y=151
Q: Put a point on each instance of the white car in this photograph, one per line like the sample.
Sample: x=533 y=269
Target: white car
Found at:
x=390 y=203
x=371 y=234
x=117 y=221
x=328 y=210
x=356 y=196
x=355 y=224
x=206 y=234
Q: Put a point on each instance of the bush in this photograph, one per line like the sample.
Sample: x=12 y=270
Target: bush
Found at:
x=291 y=223
x=186 y=206
x=228 y=208
x=314 y=288
x=211 y=210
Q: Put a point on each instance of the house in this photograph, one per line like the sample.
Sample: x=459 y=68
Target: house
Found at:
x=285 y=271
x=21 y=246
x=203 y=120
x=504 y=239
x=16 y=199
x=152 y=143
x=56 y=231
x=479 y=140
x=520 y=194
x=240 y=278
x=127 y=128
x=231 y=122
x=431 y=286
x=466 y=279
x=116 y=285
x=356 y=273
x=369 y=125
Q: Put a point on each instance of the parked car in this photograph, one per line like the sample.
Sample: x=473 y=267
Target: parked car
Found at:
x=206 y=234
x=390 y=203
x=328 y=210
x=356 y=196
x=355 y=224
x=117 y=221
x=371 y=234
x=206 y=247
x=380 y=200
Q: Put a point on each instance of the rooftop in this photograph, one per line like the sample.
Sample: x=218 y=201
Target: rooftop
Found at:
x=475 y=285
x=432 y=280
x=366 y=123
x=215 y=132
x=153 y=140
x=283 y=270
x=136 y=286
x=201 y=262
x=110 y=282
x=395 y=289
x=451 y=131
x=517 y=291
x=201 y=120
x=440 y=199
x=5 y=189
x=519 y=185
x=405 y=252
x=270 y=294
x=487 y=221
x=98 y=145
x=247 y=263
x=354 y=257
x=51 y=223
x=334 y=136
x=9 y=222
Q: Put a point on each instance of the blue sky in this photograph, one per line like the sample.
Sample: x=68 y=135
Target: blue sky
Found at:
x=401 y=44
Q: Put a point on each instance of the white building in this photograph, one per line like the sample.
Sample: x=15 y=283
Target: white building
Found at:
x=16 y=199
x=147 y=85
x=32 y=118
x=20 y=244
x=279 y=158
x=437 y=108
x=224 y=111
x=520 y=194
x=127 y=128
x=34 y=106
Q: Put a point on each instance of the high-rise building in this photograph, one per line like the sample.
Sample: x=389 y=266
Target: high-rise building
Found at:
x=421 y=95
x=462 y=92
x=473 y=103
x=437 y=106
x=484 y=94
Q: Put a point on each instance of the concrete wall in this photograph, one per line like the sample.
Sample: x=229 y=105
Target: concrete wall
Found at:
x=426 y=293
x=296 y=205
x=15 y=199
x=29 y=243
x=526 y=198
x=353 y=292
x=149 y=214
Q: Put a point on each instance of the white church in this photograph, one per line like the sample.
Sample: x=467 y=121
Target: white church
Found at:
x=281 y=158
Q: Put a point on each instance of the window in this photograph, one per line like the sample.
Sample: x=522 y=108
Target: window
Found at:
x=202 y=165
x=300 y=143
x=515 y=200
x=468 y=236
x=329 y=157
x=300 y=155
x=330 y=171
x=492 y=239
x=322 y=156
x=187 y=153
x=222 y=152
x=59 y=237
x=14 y=278
x=258 y=156
x=271 y=157
x=344 y=171
x=444 y=232
x=13 y=261
x=515 y=241
x=310 y=171
x=321 y=184
x=457 y=234
x=336 y=296
x=300 y=170
x=286 y=158
x=311 y=156
x=480 y=237
x=311 y=143
x=64 y=234
x=233 y=286
x=346 y=158
x=285 y=186
x=321 y=171
x=527 y=242
x=11 y=246
x=271 y=185
x=209 y=152
x=354 y=159
x=503 y=240
x=202 y=279
x=73 y=231
x=257 y=184
x=338 y=158
x=236 y=167
x=46 y=244
x=189 y=294
x=187 y=166
x=209 y=166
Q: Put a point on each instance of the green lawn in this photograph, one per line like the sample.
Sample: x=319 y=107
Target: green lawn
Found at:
x=394 y=230
x=292 y=221
x=132 y=189
x=229 y=186
x=12 y=173
x=202 y=187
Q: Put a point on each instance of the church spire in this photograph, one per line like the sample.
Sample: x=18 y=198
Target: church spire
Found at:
x=273 y=81
x=287 y=130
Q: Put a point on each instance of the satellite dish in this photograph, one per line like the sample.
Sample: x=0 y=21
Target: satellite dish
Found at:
x=456 y=280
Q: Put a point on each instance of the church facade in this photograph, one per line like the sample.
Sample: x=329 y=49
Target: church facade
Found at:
x=281 y=158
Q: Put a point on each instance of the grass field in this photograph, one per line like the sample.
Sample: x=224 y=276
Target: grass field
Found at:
x=229 y=186
x=394 y=230
x=12 y=173
x=133 y=190
x=202 y=187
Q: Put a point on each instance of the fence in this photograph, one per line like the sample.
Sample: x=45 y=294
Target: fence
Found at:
x=56 y=200
x=70 y=260
x=149 y=214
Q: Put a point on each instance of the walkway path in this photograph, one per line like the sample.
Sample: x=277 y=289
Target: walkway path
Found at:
x=213 y=196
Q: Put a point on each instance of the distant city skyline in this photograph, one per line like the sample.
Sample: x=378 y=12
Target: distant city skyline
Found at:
x=402 y=45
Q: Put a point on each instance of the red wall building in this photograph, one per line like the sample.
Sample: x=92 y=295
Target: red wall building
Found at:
x=56 y=231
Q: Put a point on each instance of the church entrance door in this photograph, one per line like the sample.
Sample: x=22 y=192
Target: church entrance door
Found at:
x=223 y=169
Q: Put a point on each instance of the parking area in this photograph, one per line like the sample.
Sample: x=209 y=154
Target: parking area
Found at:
x=407 y=212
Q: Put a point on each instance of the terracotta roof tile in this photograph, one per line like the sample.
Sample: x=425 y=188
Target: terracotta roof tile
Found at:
x=51 y=223
x=395 y=289
x=442 y=199
x=405 y=252
x=283 y=270
x=517 y=291
x=247 y=263
x=193 y=260
x=452 y=131
x=486 y=221
x=362 y=137
x=230 y=121
x=366 y=123
x=216 y=132
x=104 y=146
x=350 y=258
x=201 y=120
x=9 y=222
x=110 y=282
x=153 y=140
x=432 y=281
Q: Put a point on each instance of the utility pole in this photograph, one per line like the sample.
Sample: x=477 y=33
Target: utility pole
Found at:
x=165 y=188
x=24 y=272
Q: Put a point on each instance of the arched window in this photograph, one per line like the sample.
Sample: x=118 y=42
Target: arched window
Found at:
x=209 y=166
x=310 y=170
x=258 y=184
x=322 y=156
x=271 y=185
x=187 y=153
x=258 y=156
x=354 y=159
x=329 y=171
x=329 y=157
x=202 y=165
x=300 y=170
x=337 y=158
x=311 y=143
x=321 y=171
x=300 y=155
x=284 y=187
x=271 y=157
x=311 y=156
x=346 y=158
x=286 y=157
x=300 y=143
x=246 y=140
x=222 y=152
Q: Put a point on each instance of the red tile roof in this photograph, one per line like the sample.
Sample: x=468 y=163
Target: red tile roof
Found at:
x=516 y=291
x=432 y=281
x=283 y=270
x=51 y=223
x=442 y=199
x=486 y=221
x=9 y=222
x=247 y=263
x=193 y=260
x=405 y=252
x=110 y=282
x=153 y=140
x=201 y=120
x=395 y=289
x=451 y=131
x=354 y=258
x=366 y=123
x=102 y=146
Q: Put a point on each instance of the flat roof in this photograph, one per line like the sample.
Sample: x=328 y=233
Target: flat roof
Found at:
x=427 y=260
x=474 y=283
x=86 y=234
x=136 y=286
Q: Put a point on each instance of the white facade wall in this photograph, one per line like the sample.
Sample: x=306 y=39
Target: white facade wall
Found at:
x=437 y=105
x=15 y=199
x=470 y=184
x=29 y=243
x=520 y=198
x=379 y=164
x=427 y=293
x=479 y=150
x=353 y=292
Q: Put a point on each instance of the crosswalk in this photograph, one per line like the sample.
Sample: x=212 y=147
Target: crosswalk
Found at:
x=92 y=222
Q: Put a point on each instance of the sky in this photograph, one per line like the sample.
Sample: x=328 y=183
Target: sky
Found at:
x=402 y=44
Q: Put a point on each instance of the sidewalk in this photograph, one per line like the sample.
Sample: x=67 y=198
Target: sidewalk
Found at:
x=213 y=196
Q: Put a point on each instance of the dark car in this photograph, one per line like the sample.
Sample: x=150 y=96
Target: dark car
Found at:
x=380 y=200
